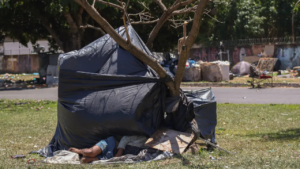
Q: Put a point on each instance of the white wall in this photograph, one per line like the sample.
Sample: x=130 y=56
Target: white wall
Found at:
x=15 y=48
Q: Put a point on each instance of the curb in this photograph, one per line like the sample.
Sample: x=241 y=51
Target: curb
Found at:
x=217 y=84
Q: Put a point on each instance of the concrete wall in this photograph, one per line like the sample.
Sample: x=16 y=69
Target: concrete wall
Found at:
x=16 y=58
x=19 y=64
x=284 y=53
x=15 y=48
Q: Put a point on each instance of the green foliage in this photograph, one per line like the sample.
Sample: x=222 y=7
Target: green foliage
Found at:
x=243 y=19
x=227 y=20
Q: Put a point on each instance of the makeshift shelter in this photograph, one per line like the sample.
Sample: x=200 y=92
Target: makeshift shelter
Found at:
x=106 y=91
x=241 y=68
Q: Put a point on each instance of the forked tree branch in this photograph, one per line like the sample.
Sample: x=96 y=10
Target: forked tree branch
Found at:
x=138 y=53
x=179 y=22
x=163 y=18
x=174 y=86
x=189 y=42
x=111 y=4
x=160 y=4
x=185 y=10
x=144 y=22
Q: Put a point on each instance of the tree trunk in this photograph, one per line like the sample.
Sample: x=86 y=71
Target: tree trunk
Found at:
x=189 y=43
x=73 y=43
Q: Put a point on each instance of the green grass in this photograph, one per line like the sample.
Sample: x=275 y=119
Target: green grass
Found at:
x=263 y=136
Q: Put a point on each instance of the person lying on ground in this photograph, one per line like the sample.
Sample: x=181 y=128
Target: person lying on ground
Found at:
x=103 y=150
x=131 y=145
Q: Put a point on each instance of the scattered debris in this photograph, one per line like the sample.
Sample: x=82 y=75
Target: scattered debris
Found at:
x=31 y=161
x=170 y=140
x=18 y=156
x=211 y=157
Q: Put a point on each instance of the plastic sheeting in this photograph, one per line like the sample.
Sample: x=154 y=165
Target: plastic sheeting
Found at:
x=205 y=108
x=241 y=68
x=106 y=91
x=146 y=155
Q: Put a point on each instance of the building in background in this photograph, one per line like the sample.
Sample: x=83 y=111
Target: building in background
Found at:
x=16 y=58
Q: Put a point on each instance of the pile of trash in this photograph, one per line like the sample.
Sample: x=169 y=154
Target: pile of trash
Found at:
x=17 y=80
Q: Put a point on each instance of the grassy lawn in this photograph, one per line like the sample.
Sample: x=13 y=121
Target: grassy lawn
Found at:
x=263 y=136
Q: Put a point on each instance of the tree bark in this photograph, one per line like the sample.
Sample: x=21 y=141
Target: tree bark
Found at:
x=189 y=43
x=53 y=33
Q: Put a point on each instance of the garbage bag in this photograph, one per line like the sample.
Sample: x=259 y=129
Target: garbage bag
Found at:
x=205 y=108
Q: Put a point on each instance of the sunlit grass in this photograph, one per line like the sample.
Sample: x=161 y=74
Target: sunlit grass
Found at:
x=263 y=136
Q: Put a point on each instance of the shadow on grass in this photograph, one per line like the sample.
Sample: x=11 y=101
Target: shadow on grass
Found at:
x=283 y=135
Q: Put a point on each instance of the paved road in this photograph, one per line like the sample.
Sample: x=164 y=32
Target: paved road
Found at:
x=223 y=95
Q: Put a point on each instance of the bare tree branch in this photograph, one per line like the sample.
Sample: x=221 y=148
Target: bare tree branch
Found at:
x=163 y=18
x=111 y=4
x=94 y=1
x=143 y=4
x=145 y=18
x=179 y=3
x=93 y=27
x=207 y=13
x=185 y=10
x=126 y=7
x=179 y=22
x=138 y=53
x=144 y=22
x=160 y=4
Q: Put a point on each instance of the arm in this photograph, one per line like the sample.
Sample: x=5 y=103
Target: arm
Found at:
x=121 y=147
x=120 y=152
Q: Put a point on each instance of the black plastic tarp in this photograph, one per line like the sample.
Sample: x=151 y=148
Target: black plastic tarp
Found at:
x=106 y=91
x=205 y=108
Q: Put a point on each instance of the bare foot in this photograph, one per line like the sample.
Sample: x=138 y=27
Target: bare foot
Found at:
x=85 y=160
x=75 y=150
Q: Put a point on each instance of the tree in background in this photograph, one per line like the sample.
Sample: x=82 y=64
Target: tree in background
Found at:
x=250 y=19
x=57 y=21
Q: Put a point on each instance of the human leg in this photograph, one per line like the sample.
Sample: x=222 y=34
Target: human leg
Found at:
x=88 y=152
